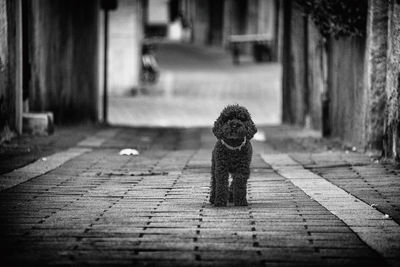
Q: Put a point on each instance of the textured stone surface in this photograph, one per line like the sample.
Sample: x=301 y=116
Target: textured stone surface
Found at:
x=101 y=208
x=46 y=164
x=374 y=228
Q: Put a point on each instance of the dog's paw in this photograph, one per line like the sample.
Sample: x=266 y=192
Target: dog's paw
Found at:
x=220 y=204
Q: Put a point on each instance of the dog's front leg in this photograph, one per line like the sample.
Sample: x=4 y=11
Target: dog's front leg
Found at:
x=221 y=186
x=212 y=184
x=240 y=188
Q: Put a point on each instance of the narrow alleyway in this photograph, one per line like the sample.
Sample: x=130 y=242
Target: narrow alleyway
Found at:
x=196 y=82
x=310 y=204
x=324 y=185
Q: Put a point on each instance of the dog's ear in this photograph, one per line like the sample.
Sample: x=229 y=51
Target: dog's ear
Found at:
x=217 y=129
x=251 y=128
x=248 y=122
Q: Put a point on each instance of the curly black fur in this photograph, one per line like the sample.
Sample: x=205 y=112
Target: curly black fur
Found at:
x=233 y=126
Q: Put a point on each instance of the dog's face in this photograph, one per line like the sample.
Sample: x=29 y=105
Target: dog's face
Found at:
x=234 y=123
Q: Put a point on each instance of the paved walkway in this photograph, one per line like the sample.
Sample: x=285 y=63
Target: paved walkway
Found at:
x=196 y=83
x=308 y=206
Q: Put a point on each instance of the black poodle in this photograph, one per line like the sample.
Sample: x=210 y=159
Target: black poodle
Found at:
x=231 y=155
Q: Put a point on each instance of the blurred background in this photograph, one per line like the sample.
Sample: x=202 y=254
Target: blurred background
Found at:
x=187 y=71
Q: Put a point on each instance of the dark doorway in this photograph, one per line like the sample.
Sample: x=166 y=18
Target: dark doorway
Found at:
x=216 y=21
x=173 y=10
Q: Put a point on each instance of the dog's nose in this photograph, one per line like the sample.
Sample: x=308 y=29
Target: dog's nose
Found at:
x=234 y=124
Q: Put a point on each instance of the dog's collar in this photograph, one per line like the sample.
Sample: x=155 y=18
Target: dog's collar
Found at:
x=239 y=147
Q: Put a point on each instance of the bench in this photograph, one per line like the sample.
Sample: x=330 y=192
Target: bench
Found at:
x=262 y=44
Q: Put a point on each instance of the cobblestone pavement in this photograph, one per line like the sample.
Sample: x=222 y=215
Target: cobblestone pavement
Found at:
x=25 y=149
x=314 y=207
